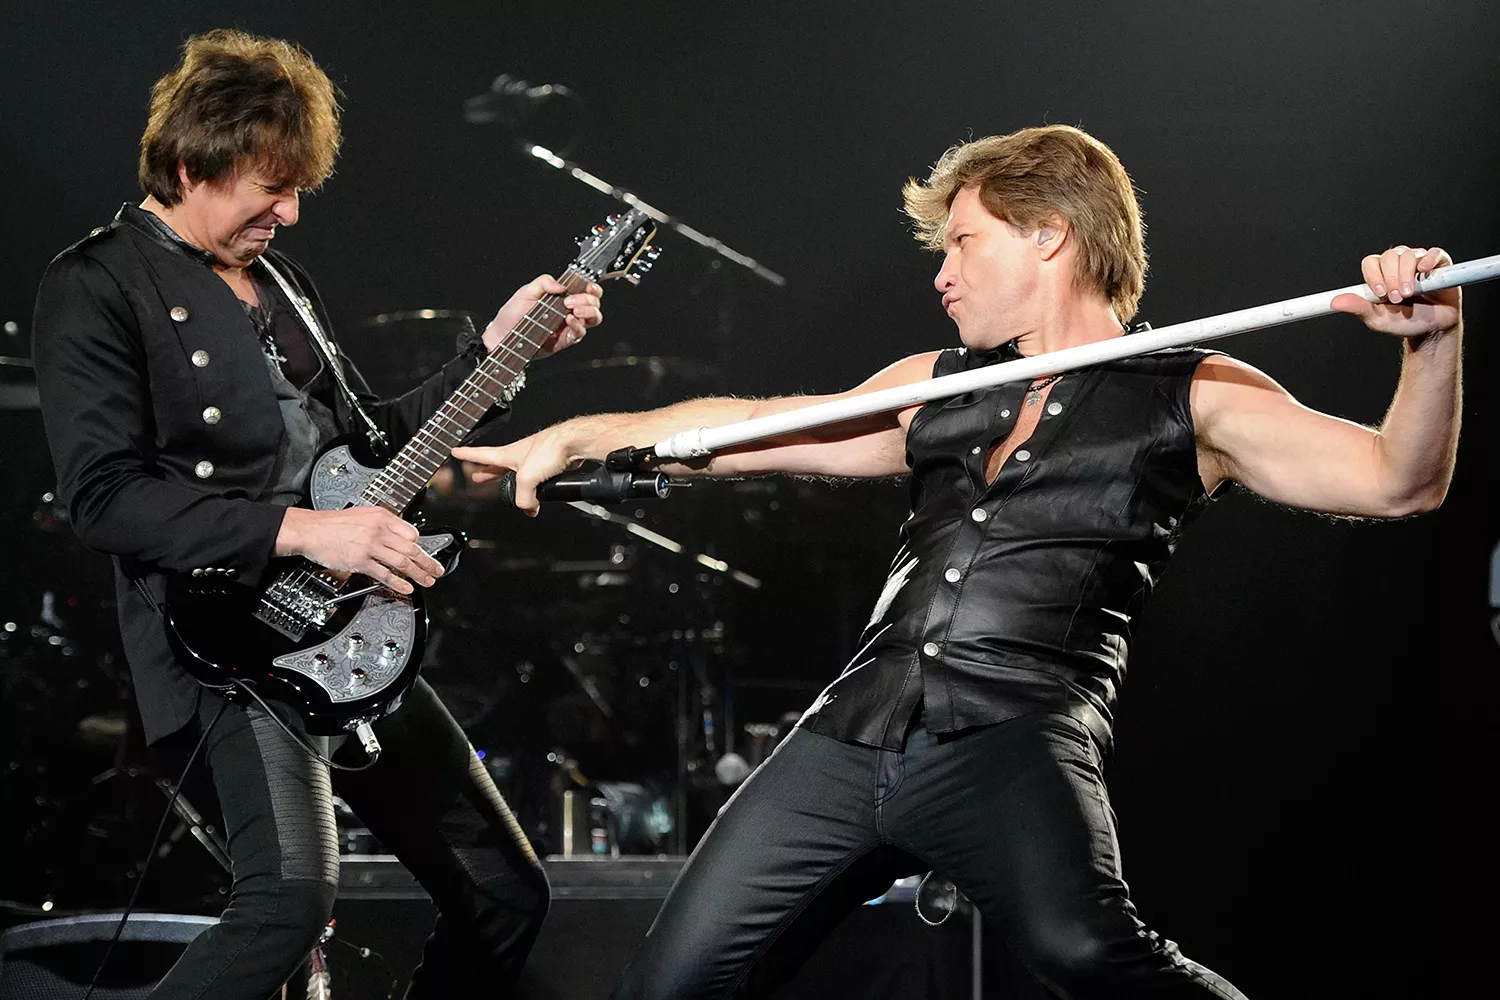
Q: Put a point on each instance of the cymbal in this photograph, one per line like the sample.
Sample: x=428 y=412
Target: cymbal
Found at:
x=397 y=350
x=415 y=317
x=18 y=384
x=653 y=366
x=563 y=387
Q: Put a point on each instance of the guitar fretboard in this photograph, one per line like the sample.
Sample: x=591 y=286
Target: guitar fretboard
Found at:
x=398 y=484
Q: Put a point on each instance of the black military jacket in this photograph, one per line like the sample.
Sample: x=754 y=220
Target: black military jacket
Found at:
x=164 y=427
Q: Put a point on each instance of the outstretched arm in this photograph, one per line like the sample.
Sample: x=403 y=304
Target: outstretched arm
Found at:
x=1251 y=430
x=868 y=447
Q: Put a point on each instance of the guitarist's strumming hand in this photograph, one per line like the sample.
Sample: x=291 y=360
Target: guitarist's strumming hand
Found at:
x=583 y=312
x=367 y=540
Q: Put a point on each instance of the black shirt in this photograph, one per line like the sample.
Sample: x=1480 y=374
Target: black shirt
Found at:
x=302 y=384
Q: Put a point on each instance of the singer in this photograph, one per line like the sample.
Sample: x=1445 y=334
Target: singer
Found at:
x=184 y=402
x=969 y=733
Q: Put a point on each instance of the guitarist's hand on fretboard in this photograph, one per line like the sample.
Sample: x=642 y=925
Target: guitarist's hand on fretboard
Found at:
x=367 y=540
x=583 y=309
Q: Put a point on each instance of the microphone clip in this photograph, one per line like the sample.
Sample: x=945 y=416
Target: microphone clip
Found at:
x=630 y=459
x=625 y=474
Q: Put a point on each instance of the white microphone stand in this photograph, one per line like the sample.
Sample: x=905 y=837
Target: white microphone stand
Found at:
x=703 y=441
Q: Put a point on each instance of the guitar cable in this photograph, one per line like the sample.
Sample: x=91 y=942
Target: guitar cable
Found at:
x=151 y=852
x=249 y=688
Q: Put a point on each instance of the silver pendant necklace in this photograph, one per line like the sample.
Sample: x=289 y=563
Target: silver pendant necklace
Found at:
x=1034 y=391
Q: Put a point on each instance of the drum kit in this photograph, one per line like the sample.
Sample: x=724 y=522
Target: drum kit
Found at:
x=598 y=657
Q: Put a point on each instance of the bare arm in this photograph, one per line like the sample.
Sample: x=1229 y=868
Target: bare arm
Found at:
x=1250 y=429
x=869 y=447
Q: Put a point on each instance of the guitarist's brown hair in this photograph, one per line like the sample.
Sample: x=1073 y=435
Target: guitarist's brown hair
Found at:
x=234 y=100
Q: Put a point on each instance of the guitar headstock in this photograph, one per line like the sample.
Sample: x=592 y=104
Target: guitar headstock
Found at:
x=620 y=248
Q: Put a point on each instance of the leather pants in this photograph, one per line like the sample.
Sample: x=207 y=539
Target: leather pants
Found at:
x=1016 y=814
x=428 y=800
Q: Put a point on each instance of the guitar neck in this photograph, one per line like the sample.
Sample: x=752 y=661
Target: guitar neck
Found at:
x=399 y=483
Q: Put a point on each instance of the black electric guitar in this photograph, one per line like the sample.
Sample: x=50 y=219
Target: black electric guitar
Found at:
x=344 y=650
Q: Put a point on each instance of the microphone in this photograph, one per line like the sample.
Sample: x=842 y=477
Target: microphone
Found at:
x=509 y=100
x=602 y=485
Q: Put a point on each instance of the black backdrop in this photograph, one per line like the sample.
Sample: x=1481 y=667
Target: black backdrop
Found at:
x=1301 y=737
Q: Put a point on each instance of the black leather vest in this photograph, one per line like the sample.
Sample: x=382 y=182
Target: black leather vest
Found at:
x=1017 y=597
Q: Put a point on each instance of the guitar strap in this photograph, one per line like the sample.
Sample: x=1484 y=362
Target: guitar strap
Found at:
x=303 y=306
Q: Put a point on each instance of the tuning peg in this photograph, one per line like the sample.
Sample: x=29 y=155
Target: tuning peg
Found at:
x=578 y=240
x=612 y=219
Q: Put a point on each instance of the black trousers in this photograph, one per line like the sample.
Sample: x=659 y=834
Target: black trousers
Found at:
x=428 y=799
x=1015 y=814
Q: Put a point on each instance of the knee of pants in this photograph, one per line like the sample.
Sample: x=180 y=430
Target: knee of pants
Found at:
x=293 y=910
x=538 y=902
x=1076 y=958
x=634 y=984
x=686 y=973
x=507 y=911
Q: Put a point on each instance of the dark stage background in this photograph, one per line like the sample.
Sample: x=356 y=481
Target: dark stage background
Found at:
x=1303 y=734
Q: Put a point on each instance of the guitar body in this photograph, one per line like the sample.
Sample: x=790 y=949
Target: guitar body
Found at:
x=341 y=651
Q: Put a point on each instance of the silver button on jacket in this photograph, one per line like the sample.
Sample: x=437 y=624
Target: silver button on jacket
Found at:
x=204 y=469
x=179 y=314
x=200 y=358
x=212 y=415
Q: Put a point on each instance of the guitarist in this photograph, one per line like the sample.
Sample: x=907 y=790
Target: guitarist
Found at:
x=184 y=401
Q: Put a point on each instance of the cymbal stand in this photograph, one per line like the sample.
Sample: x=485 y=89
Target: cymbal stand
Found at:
x=689 y=650
x=512 y=101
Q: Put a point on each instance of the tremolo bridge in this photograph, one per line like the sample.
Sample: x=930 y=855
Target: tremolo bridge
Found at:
x=296 y=602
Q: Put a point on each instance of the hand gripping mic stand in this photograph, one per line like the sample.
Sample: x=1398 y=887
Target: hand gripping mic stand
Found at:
x=631 y=465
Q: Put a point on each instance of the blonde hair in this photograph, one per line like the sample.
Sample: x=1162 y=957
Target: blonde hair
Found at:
x=237 y=99
x=1028 y=175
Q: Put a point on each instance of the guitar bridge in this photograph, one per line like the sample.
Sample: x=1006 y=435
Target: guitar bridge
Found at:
x=291 y=607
